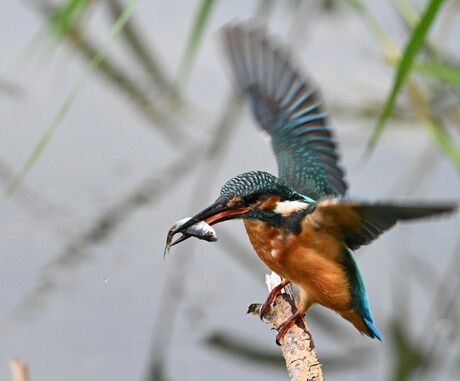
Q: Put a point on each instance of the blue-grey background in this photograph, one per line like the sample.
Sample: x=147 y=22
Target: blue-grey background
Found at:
x=76 y=305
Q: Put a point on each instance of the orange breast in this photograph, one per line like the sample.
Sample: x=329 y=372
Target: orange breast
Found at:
x=311 y=260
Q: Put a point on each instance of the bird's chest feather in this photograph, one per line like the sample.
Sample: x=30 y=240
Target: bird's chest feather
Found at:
x=269 y=242
x=296 y=257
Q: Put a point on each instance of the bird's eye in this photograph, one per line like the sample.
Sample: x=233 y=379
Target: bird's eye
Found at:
x=250 y=199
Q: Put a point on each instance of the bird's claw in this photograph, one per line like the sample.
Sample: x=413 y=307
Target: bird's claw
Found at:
x=274 y=293
x=284 y=327
x=277 y=341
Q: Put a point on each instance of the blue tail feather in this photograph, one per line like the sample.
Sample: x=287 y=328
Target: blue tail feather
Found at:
x=373 y=329
x=360 y=301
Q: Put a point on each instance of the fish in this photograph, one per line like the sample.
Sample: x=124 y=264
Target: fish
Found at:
x=200 y=230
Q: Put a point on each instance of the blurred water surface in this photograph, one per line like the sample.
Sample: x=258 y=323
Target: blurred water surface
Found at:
x=85 y=293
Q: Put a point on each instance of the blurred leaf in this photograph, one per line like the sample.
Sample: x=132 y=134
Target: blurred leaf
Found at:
x=140 y=48
x=353 y=359
x=29 y=200
x=191 y=49
x=244 y=349
x=154 y=105
x=435 y=124
x=416 y=42
x=407 y=12
x=390 y=50
x=423 y=272
x=76 y=251
x=407 y=356
x=416 y=96
x=68 y=101
x=442 y=321
x=10 y=89
x=442 y=72
x=64 y=18
x=330 y=324
x=330 y=5
x=208 y=160
x=157 y=115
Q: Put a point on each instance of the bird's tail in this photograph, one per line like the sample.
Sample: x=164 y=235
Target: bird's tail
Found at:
x=364 y=325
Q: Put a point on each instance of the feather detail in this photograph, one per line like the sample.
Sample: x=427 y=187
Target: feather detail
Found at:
x=289 y=109
x=359 y=222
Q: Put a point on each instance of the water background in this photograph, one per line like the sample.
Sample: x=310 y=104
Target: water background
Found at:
x=78 y=307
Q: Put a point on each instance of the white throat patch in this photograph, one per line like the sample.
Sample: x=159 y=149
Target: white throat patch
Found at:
x=286 y=208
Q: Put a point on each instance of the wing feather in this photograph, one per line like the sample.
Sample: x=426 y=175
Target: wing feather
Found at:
x=359 y=223
x=289 y=109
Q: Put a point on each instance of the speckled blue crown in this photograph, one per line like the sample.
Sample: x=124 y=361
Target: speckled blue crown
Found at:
x=257 y=182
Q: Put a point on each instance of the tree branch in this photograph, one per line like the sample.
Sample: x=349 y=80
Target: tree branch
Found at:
x=297 y=345
x=19 y=370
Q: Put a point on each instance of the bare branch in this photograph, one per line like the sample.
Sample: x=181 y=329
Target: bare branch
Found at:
x=19 y=370
x=297 y=345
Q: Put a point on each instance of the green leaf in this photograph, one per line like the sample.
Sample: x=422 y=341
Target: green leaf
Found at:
x=68 y=101
x=445 y=142
x=407 y=356
x=63 y=20
x=442 y=72
x=191 y=49
x=416 y=42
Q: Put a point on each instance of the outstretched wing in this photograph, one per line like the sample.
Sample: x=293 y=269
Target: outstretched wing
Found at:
x=359 y=223
x=289 y=109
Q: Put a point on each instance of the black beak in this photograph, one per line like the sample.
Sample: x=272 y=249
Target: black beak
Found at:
x=180 y=239
x=217 y=212
x=213 y=214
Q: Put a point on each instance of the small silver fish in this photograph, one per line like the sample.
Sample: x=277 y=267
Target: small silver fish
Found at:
x=200 y=230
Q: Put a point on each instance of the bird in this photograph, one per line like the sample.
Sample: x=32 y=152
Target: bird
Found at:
x=302 y=223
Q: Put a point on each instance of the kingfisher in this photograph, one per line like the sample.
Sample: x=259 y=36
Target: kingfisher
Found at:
x=302 y=224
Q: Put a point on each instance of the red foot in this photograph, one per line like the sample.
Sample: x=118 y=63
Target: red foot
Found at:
x=272 y=296
x=283 y=328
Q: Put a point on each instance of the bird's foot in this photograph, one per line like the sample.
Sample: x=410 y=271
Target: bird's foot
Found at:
x=272 y=296
x=283 y=328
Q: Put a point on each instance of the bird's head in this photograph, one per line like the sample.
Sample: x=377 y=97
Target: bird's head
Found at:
x=254 y=195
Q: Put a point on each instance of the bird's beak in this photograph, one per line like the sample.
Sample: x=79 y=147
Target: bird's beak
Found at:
x=213 y=214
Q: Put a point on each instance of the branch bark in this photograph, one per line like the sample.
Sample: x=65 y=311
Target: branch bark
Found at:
x=19 y=370
x=297 y=345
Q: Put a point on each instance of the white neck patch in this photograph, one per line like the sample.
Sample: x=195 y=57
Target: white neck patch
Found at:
x=286 y=208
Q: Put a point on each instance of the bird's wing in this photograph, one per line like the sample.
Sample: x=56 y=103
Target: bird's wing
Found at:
x=359 y=223
x=289 y=109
